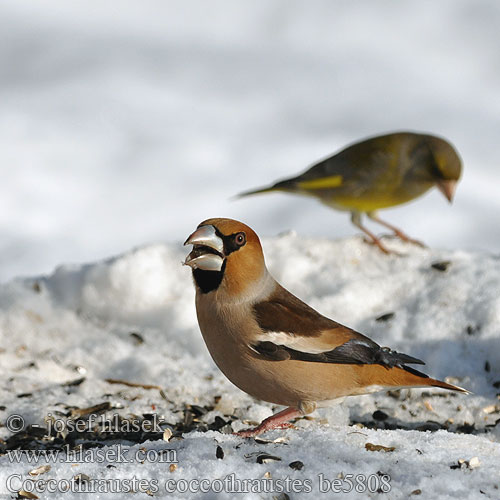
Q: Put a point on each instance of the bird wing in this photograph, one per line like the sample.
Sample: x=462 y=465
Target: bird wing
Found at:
x=291 y=330
x=377 y=164
x=358 y=169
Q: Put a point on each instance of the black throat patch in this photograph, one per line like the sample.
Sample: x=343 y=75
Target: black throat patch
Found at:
x=208 y=281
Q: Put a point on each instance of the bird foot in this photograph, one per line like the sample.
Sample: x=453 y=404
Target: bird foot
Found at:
x=278 y=421
x=407 y=239
x=383 y=248
x=256 y=431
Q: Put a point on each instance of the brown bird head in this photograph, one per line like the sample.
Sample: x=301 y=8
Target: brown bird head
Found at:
x=447 y=166
x=227 y=255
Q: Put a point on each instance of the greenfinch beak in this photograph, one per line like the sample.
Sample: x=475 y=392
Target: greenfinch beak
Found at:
x=447 y=188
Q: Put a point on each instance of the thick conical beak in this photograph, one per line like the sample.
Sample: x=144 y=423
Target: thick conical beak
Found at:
x=208 y=249
x=447 y=188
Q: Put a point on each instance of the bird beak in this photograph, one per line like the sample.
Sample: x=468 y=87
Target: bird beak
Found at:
x=447 y=188
x=208 y=250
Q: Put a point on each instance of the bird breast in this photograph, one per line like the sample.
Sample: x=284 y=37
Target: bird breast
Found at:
x=228 y=332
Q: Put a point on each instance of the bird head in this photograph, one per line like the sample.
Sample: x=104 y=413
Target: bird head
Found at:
x=447 y=167
x=227 y=255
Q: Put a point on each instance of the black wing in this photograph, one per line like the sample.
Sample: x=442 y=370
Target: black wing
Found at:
x=354 y=351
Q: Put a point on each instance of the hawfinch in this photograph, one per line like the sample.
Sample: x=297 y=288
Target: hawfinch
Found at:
x=272 y=345
x=377 y=173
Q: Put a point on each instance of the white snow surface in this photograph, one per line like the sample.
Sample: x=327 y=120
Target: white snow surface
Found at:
x=77 y=321
x=125 y=122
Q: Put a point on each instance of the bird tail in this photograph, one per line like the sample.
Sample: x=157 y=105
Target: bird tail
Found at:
x=445 y=385
x=416 y=378
x=285 y=185
x=399 y=377
x=256 y=191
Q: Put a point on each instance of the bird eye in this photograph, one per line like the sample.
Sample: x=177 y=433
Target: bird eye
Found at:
x=240 y=239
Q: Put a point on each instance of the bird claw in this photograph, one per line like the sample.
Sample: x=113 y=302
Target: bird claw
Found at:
x=247 y=433
x=383 y=248
x=416 y=242
x=407 y=239
x=260 y=429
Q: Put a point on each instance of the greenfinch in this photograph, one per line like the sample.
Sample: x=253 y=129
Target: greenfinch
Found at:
x=376 y=173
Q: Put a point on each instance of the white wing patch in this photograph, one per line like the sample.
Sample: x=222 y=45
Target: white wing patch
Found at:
x=299 y=343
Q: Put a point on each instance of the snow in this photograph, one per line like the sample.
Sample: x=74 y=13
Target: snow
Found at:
x=125 y=125
x=77 y=322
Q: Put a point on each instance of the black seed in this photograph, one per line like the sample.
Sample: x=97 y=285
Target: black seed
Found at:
x=441 y=266
x=137 y=337
x=81 y=478
x=97 y=409
x=188 y=418
x=487 y=366
x=198 y=410
x=264 y=458
x=72 y=383
x=429 y=426
x=386 y=316
x=394 y=394
x=25 y=395
x=472 y=329
x=466 y=428
x=297 y=465
x=380 y=415
x=219 y=453
x=217 y=424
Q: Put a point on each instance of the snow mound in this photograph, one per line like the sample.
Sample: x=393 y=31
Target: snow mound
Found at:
x=122 y=334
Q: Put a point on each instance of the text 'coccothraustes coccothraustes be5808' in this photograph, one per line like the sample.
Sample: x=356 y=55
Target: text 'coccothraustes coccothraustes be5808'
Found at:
x=272 y=345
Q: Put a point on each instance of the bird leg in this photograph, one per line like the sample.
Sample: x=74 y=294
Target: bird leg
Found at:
x=278 y=421
x=356 y=220
x=374 y=217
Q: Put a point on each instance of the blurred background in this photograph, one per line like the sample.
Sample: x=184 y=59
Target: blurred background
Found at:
x=124 y=123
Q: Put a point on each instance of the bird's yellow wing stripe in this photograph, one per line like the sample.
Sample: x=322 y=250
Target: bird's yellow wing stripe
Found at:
x=323 y=183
